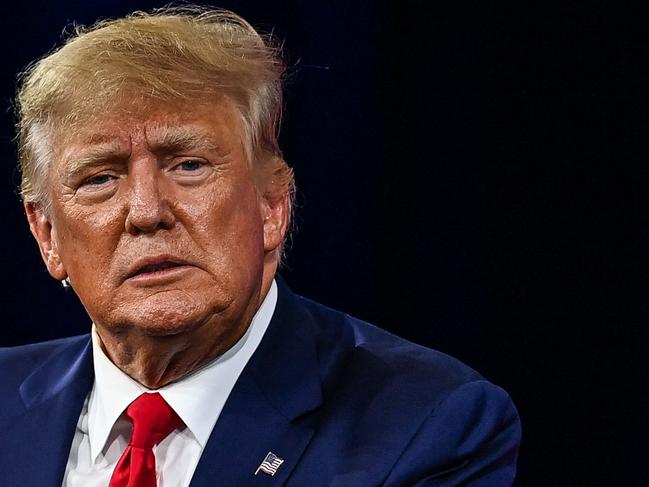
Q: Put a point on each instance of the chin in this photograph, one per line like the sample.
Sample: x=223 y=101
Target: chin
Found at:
x=166 y=313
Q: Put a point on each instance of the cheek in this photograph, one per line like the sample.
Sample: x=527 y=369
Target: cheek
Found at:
x=229 y=224
x=82 y=223
x=227 y=210
x=87 y=241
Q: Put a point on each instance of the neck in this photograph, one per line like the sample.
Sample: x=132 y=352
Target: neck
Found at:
x=156 y=360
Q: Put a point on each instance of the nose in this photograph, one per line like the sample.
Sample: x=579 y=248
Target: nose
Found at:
x=149 y=207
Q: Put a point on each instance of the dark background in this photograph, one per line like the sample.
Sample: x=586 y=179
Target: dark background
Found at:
x=471 y=176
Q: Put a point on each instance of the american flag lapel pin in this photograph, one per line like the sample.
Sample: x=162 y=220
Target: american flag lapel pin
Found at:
x=270 y=464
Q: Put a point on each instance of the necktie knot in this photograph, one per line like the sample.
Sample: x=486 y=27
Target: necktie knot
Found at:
x=152 y=418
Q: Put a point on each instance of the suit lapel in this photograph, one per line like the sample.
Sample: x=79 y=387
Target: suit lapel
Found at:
x=267 y=409
x=36 y=443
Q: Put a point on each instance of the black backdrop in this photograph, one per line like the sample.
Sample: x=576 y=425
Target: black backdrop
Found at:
x=471 y=176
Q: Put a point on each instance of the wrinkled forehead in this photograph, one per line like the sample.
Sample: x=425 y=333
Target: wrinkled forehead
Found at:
x=213 y=123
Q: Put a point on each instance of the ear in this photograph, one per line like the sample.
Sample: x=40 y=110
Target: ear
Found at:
x=275 y=212
x=45 y=236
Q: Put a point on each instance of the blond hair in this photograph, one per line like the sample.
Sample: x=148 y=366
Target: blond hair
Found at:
x=186 y=53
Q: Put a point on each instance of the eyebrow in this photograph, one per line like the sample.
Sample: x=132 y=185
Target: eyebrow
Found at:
x=96 y=155
x=179 y=139
x=163 y=139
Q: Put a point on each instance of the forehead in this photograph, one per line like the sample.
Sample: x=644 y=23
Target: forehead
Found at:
x=206 y=122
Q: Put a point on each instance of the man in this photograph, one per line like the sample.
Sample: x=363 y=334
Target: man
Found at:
x=155 y=188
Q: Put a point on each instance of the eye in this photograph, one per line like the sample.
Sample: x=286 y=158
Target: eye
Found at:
x=97 y=180
x=190 y=165
x=190 y=170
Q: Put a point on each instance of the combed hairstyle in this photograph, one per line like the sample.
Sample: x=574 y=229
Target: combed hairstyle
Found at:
x=187 y=53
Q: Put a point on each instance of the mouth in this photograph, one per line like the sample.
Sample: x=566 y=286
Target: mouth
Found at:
x=157 y=267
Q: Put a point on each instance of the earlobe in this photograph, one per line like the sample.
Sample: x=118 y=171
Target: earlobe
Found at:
x=43 y=233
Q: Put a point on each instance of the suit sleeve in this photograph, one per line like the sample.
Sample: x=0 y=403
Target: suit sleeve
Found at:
x=470 y=439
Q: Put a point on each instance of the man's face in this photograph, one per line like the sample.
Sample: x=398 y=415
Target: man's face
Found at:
x=158 y=222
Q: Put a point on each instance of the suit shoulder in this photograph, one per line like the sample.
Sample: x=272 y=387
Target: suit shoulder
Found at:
x=18 y=362
x=403 y=366
x=422 y=414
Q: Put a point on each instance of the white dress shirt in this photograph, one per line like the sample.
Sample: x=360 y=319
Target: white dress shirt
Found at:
x=103 y=432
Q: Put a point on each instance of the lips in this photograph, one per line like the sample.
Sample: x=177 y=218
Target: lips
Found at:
x=154 y=265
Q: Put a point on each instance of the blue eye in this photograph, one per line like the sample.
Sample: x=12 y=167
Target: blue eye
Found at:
x=190 y=165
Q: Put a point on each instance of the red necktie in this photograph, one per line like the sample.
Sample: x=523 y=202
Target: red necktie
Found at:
x=153 y=419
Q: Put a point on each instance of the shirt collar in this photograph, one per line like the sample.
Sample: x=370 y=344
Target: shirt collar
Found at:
x=198 y=398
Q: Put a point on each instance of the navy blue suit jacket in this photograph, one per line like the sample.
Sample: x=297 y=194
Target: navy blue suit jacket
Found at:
x=342 y=402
